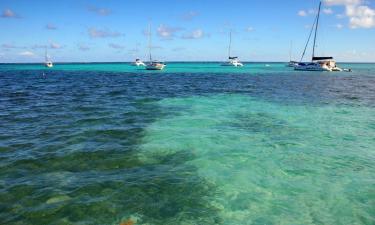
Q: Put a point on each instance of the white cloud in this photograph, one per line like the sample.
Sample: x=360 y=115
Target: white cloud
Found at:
x=96 y=33
x=55 y=46
x=249 y=29
x=312 y=11
x=116 y=46
x=339 y=26
x=328 y=11
x=360 y=15
x=302 y=13
x=8 y=13
x=27 y=54
x=342 y=2
x=166 y=32
x=190 y=15
x=51 y=27
x=195 y=34
x=99 y=11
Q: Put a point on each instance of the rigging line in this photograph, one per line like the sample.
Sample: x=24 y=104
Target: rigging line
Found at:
x=230 y=43
x=308 y=40
x=149 y=42
x=316 y=30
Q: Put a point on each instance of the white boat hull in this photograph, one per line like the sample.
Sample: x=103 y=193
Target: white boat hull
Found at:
x=48 y=64
x=155 y=66
x=329 y=66
x=232 y=63
x=138 y=63
x=292 y=64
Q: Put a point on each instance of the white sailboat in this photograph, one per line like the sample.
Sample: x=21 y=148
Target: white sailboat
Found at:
x=291 y=63
x=232 y=60
x=317 y=63
x=153 y=64
x=48 y=62
x=137 y=62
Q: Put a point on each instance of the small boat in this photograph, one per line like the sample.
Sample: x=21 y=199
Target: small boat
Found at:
x=291 y=62
x=153 y=64
x=48 y=62
x=232 y=60
x=138 y=62
x=317 y=63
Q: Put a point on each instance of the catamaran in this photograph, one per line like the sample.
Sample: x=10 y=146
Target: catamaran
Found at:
x=48 y=62
x=317 y=63
x=153 y=64
x=232 y=60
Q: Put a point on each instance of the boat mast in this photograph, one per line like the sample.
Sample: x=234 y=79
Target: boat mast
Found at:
x=149 y=42
x=308 y=40
x=230 y=43
x=290 y=51
x=316 y=29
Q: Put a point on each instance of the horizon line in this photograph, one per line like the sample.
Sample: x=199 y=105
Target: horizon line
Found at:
x=178 y=61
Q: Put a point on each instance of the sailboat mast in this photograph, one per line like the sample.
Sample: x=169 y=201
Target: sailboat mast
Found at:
x=316 y=29
x=290 y=51
x=230 y=43
x=149 y=42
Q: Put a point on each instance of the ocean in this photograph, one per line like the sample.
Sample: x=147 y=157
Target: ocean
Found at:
x=109 y=143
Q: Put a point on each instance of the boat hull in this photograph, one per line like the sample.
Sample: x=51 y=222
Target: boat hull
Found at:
x=138 y=64
x=238 y=64
x=158 y=66
x=306 y=68
x=48 y=65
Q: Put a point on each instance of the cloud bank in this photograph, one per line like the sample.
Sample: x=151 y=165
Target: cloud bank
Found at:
x=360 y=15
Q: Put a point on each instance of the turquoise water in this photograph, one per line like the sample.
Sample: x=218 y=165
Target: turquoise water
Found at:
x=178 y=67
x=105 y=143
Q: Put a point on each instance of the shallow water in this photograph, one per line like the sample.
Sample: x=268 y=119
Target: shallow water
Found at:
x=103 y=143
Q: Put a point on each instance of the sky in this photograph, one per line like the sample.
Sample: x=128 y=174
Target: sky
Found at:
x=183 y=30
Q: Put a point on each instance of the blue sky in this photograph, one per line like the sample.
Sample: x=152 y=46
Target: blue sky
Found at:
x=183 y=30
